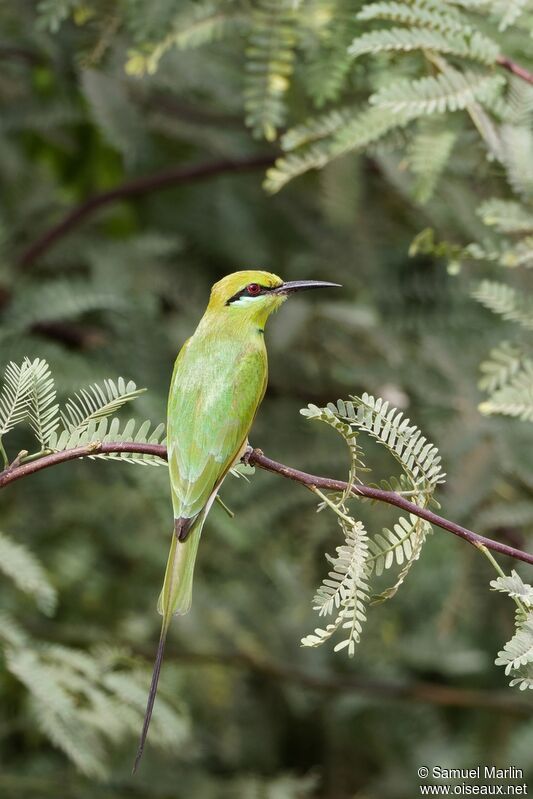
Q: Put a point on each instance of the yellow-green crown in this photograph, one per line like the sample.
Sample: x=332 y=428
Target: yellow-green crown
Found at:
x=232 y=284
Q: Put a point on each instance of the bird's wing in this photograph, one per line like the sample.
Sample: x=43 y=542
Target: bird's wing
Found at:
x=211 y=409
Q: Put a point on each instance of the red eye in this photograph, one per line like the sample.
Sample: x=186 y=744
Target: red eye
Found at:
x=253 y=289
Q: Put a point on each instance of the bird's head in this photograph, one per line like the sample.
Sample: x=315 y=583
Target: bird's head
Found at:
x=253 y=295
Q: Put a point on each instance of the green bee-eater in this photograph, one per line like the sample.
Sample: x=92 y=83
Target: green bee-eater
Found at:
x=219 y=380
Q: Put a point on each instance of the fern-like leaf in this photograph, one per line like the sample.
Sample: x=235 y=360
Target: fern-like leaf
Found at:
x=517 y=142
x=132 y=431
x=195 y=25
x=505 y=301
x=42 y=407
x=509 y=11
x=428 y=155
x=449 y=91
x=504 y=363
x=517 y=654
x=436 y=16
x=514 y=398
x=506 y=216
x=111 y=430
x=316 y=128
x=269 y=66
x=97 y=402
x=515 y=587
x=416 y=536
x=14 y=398
x=366 y=127
x=349 y=435
x=346 y=589
x=329 y=62
x=82 y=701
x=56 y=300
x=518 y=651
x=393 y=546
x=418 y=457
x=474 y=46
x=23 y=568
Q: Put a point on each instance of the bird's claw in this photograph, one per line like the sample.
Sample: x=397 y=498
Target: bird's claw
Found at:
x=248 y=452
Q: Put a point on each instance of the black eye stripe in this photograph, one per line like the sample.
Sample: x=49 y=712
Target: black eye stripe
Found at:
x=244 y=293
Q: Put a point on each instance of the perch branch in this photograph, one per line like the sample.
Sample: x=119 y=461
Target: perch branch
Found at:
x=257 y=458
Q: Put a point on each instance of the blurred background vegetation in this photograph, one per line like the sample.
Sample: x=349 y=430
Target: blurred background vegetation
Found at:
x=98 y=95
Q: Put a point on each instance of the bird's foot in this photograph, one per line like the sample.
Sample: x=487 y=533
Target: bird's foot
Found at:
x=248 y=452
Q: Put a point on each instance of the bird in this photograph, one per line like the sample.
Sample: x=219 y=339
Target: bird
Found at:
x=218 y=383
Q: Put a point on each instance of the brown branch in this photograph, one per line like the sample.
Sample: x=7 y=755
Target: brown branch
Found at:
x=73 y=336
x=134 y=188
x=327 y=682
x=514 y=68
x=257 y=458
x=23 y=54
x=426 y=692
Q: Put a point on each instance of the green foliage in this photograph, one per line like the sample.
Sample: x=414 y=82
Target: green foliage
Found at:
x=514 y=396
x=80 y=702
x=396 y=545
x=504 y=363
x=505 y=301
x=270 y=64
x=57 y=300
x=346 y=587
x=506 y=216
x=42 y=406
x=428 y=155
x=54 y=12
x=97 y=402
x=15 y=397
x=345 y=590
x=517 y=654
x=116 y=114
x=194 y=25
x=328 y=61
x=29 y=391
x=23 y=568
x=466 y=45
x=86 y=702
x=104 y=431
x=450 y=91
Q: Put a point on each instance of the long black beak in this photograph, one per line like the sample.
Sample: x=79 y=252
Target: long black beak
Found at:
x=301 y=285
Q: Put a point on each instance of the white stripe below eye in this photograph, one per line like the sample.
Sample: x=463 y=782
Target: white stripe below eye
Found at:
x=244 y=300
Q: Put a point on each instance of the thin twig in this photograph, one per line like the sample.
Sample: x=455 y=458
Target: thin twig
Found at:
x=516 y=69
x=257 y=458
x=174 y=176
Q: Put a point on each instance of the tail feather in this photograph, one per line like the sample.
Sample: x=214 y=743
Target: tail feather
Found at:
x=175 y=598
x=176 y=594
x=151 y=697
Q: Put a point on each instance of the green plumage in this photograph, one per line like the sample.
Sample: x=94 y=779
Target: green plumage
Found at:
x=218 y=383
